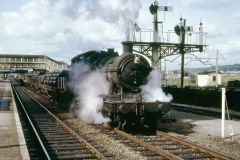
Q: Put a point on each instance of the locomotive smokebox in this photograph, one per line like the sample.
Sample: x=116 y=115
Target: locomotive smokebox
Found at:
x=129 y=70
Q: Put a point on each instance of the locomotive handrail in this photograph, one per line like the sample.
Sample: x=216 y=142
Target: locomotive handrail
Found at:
x=31 y=123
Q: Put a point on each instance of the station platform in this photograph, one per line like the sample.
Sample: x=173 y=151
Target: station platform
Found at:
x=13 y=145
x=204 y=110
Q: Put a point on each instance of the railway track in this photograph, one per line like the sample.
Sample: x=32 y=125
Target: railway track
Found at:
x=160 y=146
x=164 y=146
x=56 y=140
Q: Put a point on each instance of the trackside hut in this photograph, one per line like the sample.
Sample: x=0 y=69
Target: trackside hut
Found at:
x=205 y=79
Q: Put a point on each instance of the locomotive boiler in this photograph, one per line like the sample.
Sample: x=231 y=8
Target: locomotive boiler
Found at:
x=124 y=104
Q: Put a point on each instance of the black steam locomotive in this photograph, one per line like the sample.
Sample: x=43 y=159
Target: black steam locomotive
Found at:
x=123 y=104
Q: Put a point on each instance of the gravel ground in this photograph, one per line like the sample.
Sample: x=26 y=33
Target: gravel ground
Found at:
x=205 y=131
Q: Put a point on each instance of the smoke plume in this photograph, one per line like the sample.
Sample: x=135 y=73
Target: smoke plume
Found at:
x=152 y=91
x=88 y=86
x=121 y=12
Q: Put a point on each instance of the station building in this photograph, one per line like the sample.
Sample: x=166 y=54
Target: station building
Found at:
x=11 y=63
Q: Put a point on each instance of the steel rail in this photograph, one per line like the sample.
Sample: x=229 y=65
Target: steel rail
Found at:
x=31 y=123
x=73 y=133
x=152 y=148
x=167 y=154
x=197 y=148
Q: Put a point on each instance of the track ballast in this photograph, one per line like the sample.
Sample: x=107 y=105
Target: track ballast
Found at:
x=57 y=141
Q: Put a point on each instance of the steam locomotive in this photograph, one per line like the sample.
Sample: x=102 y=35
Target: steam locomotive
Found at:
x=123 y=104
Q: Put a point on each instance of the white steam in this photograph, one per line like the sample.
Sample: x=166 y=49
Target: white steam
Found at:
x=88 y=86
x=121 y=12
x=152 y=91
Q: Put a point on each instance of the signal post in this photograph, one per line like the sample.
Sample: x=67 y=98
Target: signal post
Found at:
x=157 y=49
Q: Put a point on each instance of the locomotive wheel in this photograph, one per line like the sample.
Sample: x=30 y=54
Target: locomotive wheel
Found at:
x=113 y=122
x=117 y=121
x=121 y=122
x=151 y=123
x=128 y=125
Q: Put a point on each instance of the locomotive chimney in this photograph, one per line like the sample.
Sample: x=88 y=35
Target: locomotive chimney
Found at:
x=110 y=50
x=127 y=48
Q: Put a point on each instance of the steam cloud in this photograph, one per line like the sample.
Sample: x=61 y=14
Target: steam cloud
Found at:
x=121 y=12
x=88 y=86
x=152 y=91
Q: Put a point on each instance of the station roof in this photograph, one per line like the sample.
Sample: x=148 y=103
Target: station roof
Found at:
x=30 y=56
x=208 y=72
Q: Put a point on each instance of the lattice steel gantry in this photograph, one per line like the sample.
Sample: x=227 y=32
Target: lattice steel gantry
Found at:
x=165 y=49
x=158 y=48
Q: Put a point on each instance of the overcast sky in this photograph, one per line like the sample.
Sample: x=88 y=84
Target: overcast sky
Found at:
x=62 y=29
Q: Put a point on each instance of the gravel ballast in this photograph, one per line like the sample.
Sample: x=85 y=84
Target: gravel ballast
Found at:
x=205 y=131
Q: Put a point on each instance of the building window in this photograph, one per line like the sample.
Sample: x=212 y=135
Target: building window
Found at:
x=2 y=59
x=8 y=59
x=214 y=78
x=18 y=59
x=24 y=59
x=30 y=59
x=8 y=66
x=2 y=66
x=41 y=59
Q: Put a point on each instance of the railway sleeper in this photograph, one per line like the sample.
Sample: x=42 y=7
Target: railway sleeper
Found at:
x=180 y=151
x=46 y=120
x=77 y=156
x=49 y=132
x=65 y=145
x=68 y=148
x=140 y=148
x=171 y=147
x=148 y=153
x=195 y=156
x=62 y=141
x=158 y=143
x=156 y=158
x=70 y=152
x=55 y=138
x=49 y=125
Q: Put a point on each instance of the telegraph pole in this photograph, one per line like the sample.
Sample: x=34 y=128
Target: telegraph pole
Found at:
x=217 y=68
x=182 y=42
x=156 y=60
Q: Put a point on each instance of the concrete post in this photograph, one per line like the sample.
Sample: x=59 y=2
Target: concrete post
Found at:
x=223 y=111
